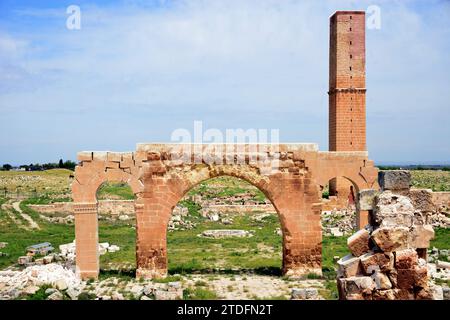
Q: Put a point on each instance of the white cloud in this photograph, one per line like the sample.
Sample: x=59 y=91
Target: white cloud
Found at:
x=251 y=63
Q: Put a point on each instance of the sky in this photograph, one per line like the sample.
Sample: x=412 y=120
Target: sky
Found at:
x=138 y=70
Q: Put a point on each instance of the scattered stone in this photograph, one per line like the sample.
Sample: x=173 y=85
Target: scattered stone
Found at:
x=3 y=245
x=31 y=290
x=49 y=291
x=73 y=293
x=23 y=260
x=145 y=298
x=56 y=296
x=372 y=262
x=168 y=295
x=304 y=294
x=124 y=217
x=61 y=284
x=225 y=233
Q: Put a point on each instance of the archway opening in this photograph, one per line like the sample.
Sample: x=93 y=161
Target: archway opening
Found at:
x=338 y=216
x=116 y=229
x=224 y=225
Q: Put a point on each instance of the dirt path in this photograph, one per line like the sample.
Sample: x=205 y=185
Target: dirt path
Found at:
x=31 y=222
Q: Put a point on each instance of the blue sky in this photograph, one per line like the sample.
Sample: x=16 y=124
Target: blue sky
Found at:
x=138 y=70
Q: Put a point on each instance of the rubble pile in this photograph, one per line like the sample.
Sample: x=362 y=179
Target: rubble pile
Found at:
x=338 y=223
x=388 y=256
x=28 y=281
x=178 y=220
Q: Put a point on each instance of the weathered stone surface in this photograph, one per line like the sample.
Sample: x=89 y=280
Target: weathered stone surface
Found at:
x=372 y=262
x=393 y=210
x=436 y=292
x=366 y=199
x=56 y=296
x=421 y=277
x=168 y=295
x=394 y=180
x=406 y=278
x=446 y=293
x=348 y=266
x=304 y=294
x=31 y=289
x=421 y=236
x=357 y=285
x=390 y=294
x=358 y=243
x=406 y=259
x=61 y=284
x=382 y=281
x=422 y=199
x=391 y=238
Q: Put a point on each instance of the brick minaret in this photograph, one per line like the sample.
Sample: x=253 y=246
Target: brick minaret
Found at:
x=347 y=86
x=347 y=89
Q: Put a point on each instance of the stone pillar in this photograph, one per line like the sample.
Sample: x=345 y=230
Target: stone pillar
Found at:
x=299 y=210
x=151 y=253
x=86 y=239
x=365 y=204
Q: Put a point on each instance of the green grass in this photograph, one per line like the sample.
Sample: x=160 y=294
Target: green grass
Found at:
x=441 y=238
x=199 y=293
x=119 y=191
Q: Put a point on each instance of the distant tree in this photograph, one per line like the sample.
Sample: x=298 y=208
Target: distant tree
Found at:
x=7 y=167
x=61 y=163
x=69 y=165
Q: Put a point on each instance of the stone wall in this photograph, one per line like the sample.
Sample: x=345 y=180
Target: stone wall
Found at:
x=388 y=256
x=106 y=207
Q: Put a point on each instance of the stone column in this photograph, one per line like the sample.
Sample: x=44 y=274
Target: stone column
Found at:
x=86 y=239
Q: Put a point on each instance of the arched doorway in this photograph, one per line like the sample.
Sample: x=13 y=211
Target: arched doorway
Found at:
x=224 y=225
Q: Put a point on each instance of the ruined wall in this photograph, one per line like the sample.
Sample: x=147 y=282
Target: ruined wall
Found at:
x=105 y=207
x=388 y=256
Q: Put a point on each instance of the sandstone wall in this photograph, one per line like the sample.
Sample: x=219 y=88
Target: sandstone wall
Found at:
x=111 y=207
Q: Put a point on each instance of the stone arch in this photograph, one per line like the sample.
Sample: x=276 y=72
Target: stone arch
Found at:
x=294 y=198
x=95 y=170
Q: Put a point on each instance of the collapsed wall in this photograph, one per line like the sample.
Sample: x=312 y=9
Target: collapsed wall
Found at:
x=388 y=256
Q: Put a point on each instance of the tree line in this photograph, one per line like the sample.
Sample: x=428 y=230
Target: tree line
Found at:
x=68 y=164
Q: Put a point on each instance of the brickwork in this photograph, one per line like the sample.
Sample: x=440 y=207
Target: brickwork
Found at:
x=291 y=182
x=347 y=90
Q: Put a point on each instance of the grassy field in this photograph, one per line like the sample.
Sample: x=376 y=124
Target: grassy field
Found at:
x=187 y=253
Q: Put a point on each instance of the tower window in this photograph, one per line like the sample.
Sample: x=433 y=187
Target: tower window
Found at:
x=350 y=43
x=351 y=56
x=350 y=17
x=350 y=28
x=350 y=68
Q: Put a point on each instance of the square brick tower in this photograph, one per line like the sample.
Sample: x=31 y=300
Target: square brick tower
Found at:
x=347 y=84
x=347 y=89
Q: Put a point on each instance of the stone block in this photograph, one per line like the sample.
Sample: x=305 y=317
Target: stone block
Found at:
x=348 y=266
x=382 y=281
x=114 y=156
x=406 y=278
x=422 y=199
x=84 y=156
x=394 y=180
x=393 y=210
x=391 y=238
x=366 y=199
x=389 y=294
x=358 y=243
x=421 y=236
x=406 y=259
x=373 y=262
x=357 y=285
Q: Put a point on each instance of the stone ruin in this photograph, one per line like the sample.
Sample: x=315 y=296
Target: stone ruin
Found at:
x=388 y=259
